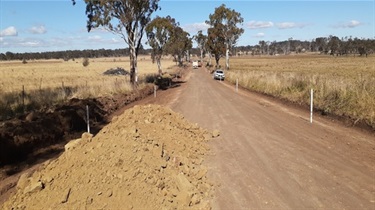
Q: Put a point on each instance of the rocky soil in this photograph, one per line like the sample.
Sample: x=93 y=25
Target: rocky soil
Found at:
x=149 y=157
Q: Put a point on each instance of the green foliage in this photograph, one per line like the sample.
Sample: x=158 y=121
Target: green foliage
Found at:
x=226 y=20
x=159 y=33
x=117 y=16
x=201 y=40
x=334 y=44
x=179 y=43
x=224 y=32
x=216 y=43
x=127 y=18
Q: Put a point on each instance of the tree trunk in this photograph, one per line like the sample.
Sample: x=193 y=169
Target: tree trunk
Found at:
x=217 y=58
x=158 y=58
x=179 y=60
x=201 y=55
x=133 y=66
x=209 y=59
x=227 y=57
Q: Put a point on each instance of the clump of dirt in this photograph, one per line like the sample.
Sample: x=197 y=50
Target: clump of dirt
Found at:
x=147 y=158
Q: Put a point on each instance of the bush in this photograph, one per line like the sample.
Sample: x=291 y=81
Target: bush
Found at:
x=116 y=71
x=151 y=78
x=85 y=62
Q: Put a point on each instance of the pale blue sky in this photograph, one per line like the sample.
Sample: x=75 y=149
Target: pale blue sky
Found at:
x=52 y=25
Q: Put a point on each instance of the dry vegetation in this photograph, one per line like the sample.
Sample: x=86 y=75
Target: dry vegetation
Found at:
x=37 y=74
x=49 y=81
x=344 y=86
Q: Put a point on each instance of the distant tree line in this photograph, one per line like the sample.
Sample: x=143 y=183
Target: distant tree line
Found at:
x=331 y=45
x=70 y=54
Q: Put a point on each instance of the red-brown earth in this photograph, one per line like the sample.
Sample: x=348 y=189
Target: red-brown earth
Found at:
x=267 y=155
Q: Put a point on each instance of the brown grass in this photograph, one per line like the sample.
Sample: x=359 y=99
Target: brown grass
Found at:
x=51 y=81
x=37 y=75
x=343 y=86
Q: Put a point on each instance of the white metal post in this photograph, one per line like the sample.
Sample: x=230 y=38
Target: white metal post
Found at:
x=311 y=105
x=88 y=119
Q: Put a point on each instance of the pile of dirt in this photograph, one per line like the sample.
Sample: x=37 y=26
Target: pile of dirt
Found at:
x=147 y=158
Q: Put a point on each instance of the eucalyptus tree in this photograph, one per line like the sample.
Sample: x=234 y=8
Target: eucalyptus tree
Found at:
x=216 y=43
x=288 y=46
x=159 y=33
x=225 y=22
x=3 y=57
x=262 y=46
x=201 y=40
x=126 y=18
x=179 y=44
x=321 y=43
x=334 y=44
x=268 y=43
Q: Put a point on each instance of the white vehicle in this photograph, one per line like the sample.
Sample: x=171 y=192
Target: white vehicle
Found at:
x=219 y=74
x=195 y=64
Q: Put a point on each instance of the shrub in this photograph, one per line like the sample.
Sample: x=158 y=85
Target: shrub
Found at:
x=151 y=78
x=85 y=62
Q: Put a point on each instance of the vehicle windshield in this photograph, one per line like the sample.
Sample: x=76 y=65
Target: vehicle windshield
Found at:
x=219 y=72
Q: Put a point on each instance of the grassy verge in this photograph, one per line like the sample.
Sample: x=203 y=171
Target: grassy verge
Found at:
x=342 y=86
x=15 y=103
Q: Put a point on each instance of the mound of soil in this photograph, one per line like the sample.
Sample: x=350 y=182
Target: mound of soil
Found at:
x=147 y=158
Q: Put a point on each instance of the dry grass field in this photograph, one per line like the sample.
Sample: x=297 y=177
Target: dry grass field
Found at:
x=46 y=82
x=37 y=74
x=344 y=86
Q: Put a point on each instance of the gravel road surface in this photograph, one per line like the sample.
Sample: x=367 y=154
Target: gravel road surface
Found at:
x=269 y=156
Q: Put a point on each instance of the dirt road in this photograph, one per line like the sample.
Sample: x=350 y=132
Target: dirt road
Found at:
x=270 y=156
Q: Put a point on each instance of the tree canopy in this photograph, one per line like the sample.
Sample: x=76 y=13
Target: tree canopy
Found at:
x=179 y=44
x=201 y=40
x=215 y=43
x=224 y=22
x=159 y=33
x=126 y=18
